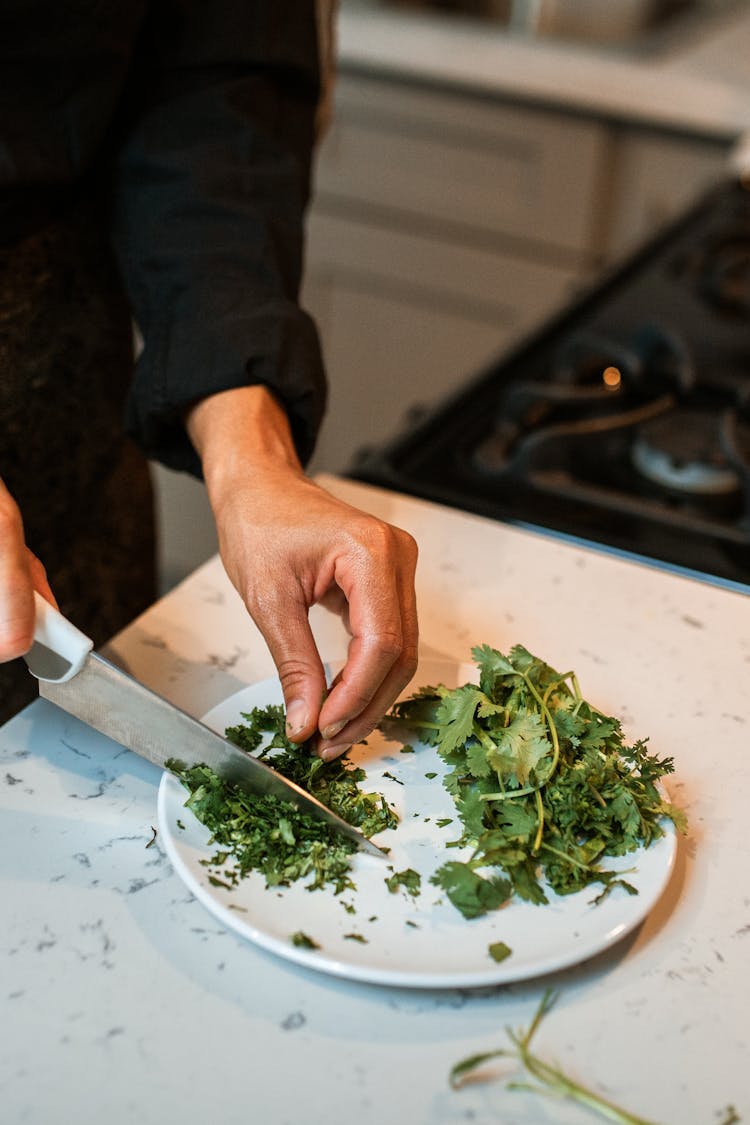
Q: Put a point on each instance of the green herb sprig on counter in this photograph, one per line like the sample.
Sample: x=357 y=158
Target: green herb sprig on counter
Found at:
x=543 y=782
x=550 y=1080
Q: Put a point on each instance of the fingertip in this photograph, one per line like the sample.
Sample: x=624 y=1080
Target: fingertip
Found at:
x=329 y=732
x=330 y=753
x=300 y=729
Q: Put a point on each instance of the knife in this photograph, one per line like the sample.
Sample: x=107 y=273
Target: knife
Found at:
x=81 y=682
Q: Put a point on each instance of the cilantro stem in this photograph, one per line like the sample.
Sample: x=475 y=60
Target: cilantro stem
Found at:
x=557 y=1084
x=568 y=858
x=556 y=684
x=542 y=701
x=505 y=796
x=540 y=827
x=550 y=724
x=598 y=797
x=553 y=1081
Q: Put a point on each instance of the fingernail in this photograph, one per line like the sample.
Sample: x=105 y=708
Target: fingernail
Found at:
x=332 y=730
x=296 y=717
x=332 y=752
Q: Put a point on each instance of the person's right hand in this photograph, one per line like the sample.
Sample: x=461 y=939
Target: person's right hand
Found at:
x=21 y=573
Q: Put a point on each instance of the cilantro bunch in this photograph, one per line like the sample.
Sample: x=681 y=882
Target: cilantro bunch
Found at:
x=543 y=782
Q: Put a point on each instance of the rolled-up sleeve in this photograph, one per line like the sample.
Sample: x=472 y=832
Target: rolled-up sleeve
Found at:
x=211 y=183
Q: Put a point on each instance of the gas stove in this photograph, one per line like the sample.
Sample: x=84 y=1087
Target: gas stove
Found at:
x=626 y=420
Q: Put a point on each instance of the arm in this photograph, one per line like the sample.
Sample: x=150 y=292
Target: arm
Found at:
x=287 y=545
x=211 y=180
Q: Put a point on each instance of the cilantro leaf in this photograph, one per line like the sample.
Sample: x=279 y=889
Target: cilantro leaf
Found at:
x=409 y=879
x=519 y=748
x=499 y=951
x=456 y=716
x=469 y=892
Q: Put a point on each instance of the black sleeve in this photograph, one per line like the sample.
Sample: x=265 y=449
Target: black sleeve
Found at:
x=211 y=182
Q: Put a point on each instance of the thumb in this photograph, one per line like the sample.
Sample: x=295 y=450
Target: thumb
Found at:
x=303 y=682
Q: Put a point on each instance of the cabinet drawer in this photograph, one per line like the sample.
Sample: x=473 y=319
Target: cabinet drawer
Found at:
x=464 y=162
x=405 y=319
x=498 y=289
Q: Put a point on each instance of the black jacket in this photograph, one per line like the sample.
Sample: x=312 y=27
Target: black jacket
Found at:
x=189 y=126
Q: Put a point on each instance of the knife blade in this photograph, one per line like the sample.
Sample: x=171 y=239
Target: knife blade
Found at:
x=86 y=685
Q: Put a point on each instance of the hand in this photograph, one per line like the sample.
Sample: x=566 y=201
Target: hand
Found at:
x=21 y=573
x=287 y=545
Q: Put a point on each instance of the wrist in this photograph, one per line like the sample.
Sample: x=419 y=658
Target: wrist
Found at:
x=241 y=432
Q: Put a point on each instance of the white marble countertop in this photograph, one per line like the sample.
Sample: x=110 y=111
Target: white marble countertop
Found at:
x=124 y=1001
x=699 y=83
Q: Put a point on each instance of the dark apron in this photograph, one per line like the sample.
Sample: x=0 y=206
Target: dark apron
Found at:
x=83 y=488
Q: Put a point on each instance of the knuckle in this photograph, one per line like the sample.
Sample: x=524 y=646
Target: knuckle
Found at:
x=390 y=644
x=376 y=539
x=293 y=672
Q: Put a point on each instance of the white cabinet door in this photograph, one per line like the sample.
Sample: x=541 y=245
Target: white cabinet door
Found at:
x=655 y=177
x=464 y=163
x=405 y=319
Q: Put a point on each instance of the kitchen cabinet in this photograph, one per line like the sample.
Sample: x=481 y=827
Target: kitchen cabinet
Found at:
x=403 y=316
x=655 y=176
x=447 y=224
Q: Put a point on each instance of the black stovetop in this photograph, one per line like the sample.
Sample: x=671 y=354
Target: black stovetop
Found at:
x=625 y=420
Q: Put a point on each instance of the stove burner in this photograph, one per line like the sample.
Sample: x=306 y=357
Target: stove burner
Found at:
x=681 y=452
x=720 y=272
x=597 y=382
x=726 y=282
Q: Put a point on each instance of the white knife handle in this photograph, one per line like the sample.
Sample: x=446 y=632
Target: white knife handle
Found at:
x=59 y=650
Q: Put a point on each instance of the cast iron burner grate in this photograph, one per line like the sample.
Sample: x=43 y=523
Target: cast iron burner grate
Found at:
x=626 y=427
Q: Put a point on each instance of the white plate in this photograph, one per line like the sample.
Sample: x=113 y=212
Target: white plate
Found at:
x=421 y=942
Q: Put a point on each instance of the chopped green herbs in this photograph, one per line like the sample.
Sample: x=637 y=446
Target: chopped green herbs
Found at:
x=409 y=879
x=543 y=782
x=302 y=940
x=215 y=882
x=356 y=937
x=335 y=784
x=263 y=833
x=272 y=836
x=499 y=951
